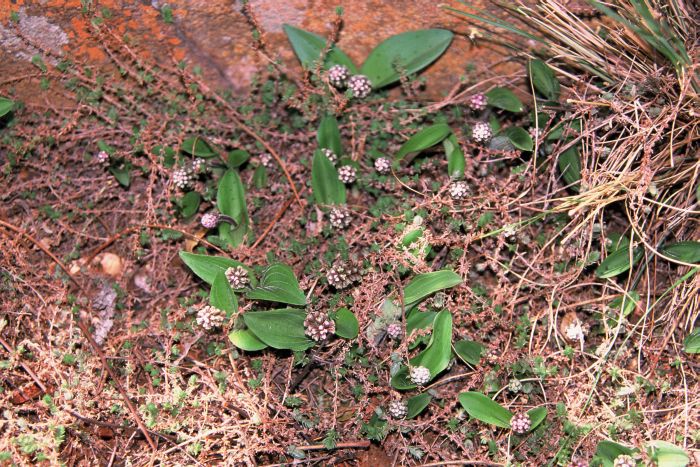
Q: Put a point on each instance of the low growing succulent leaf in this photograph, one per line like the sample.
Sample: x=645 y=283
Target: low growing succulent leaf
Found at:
x=691 y=344
x=221 y=295
x=198 y=146
x=485 y=409
x=417 y=404
x=469 y=351
x=520 y=138
x=208 y=267
x=327 y=188
x=544 y=80
x=309 y=46
x=278 y=284
x=505 y=99
x=426 y=284
x=406 y=53
x=328 y=135
x=437 y=354
x=455 y=157
x=346 y=324
x=687 y=252
x=244 y=339
x=666 y=454
x=537 y=416
x=6 y=106
x=607 y=451
x=424 y=139
x=618 y=262
x=280 y=329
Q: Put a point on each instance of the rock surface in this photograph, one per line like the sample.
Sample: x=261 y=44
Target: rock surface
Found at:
x=215 y=35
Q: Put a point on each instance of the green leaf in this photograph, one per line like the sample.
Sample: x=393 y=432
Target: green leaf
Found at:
x=208 y=267
x=520 y=138
x=469 y=351
x=505 y=99
x=190 y=204
x=346 y=324
x=6 y=106
x=309 y=46
x=570 y=166
x=327 y=188
x=691 y=344
x=483 y=408
x=501 y=143
x=230 y=199
x=405 y=53
x=455 y=157
x=237 y=158
x=628 y=301
x=278 y=284
x=244 y=339
x=537 y=416
x=687 y=252
x=260 y=177
x=280 y=329
x=328 y=135
x=401 y=380
x=607 y=451
x=618 y=262
x=544 y=80
x=426 y=284
x=436 y=355
x=122 y=175
x=221 y=295
x=666 y=454
x=419 y=320
x=417 y=404
x=198 y=146
x=424 y=139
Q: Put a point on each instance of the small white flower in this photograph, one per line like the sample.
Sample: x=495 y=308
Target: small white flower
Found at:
x=318 y=325
x=624 y=460
x=102 y=158
x=182 y=178
x=459 y=190
x=333 y=157
x=481 y=132
x=360 y=86
x=210 y=317
x=265 y=159
x=419 y=375
x=347 y=174
x=394 y=330
x=237 y=277
x=398 y=409
x=199 y=165
x=478 y=101
x=382 y=165
x=340 y=218
x=520 y=423
x=575 y=331
x=210 y=220
x=338 y=75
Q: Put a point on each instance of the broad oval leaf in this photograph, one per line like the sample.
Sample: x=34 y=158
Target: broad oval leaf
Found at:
x=537 y=416
x=687 y=252
x=6 y=106
x=309 y=46
x=122 y=175
x=485 y=409
x=280 y=329
x=328 y=135
x=436 y=355
x=244 y=339
x=327 y=188
x=570 y=166
x=607 y=451
x=237 y=158
x=401 y=379
x=544 y=80
x=278 y=284
x=691 y=344
x=505 y=99
x=419 y=320
x=230 y=199
x=424 y=139
x=190 y=204
x=627 y=302
x=417 y=404
x=221 y=295
x=426 y=284
x=405 y=53
x=666 y=454
x=501 y=143
x=198 y=146
x=455 y=157
x=520 y=138
x=208 y=267
x=469 y=351
x=346 y=324
x=618 y=262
